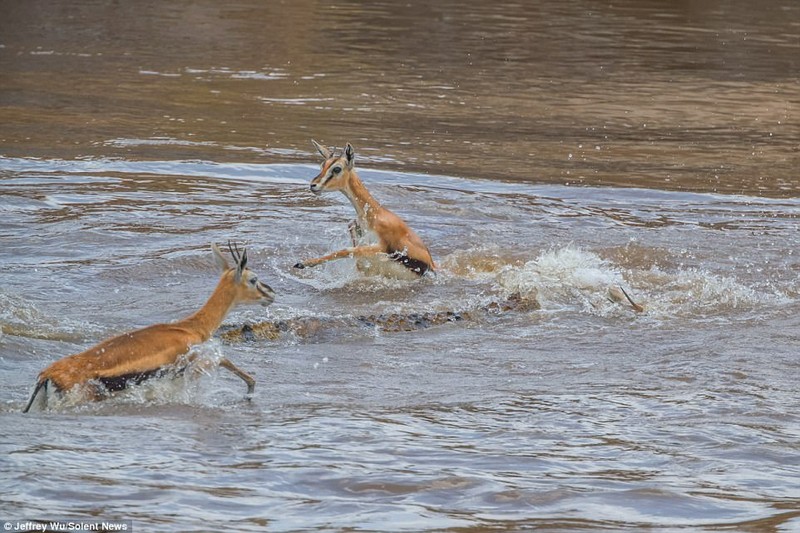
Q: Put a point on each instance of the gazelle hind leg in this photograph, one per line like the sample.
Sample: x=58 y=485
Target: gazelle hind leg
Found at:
x=82 y=393
x=618 y=295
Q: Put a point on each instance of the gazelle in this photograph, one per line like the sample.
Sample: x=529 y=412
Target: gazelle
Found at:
x=154 y=351
x=381 y=240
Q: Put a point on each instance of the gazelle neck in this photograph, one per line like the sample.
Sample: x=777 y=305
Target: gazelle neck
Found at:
x=206 y=321
x=359 y=196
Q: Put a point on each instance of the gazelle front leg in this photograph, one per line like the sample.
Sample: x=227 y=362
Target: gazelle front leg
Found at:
x=251 y=383
x=356 y=251
x=356 y=232
x=202 y=366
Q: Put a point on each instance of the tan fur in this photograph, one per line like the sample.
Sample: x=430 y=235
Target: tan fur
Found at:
x=162 y=345
x=391 y=235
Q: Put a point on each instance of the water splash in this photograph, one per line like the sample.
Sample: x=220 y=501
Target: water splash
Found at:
x=564 y=277
x=698 y=293
x=22 y=318
x=569 y=276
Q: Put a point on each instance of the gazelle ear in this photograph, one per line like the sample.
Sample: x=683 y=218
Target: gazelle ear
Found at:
x=241 y=266
x=219 y=258
x=324 y=152
x=243 y=261
x=349 y=154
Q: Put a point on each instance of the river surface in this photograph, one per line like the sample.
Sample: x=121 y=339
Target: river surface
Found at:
x=551 y=150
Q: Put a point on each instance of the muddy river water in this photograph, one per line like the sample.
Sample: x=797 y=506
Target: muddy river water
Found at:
x=548 y=150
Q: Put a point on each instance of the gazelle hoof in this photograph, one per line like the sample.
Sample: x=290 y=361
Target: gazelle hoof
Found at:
x=299 y=265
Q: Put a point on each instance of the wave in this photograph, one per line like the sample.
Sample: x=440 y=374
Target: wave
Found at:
x=22 y=318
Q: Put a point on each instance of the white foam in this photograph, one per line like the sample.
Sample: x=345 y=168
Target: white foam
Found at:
x=570 y=276
x=563 y=276
x=694 y=292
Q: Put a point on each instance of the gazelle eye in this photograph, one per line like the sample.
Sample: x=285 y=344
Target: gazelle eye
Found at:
x=253 y=281
x=336 y=170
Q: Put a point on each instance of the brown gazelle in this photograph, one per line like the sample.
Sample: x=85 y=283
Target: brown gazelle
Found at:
x=382 y=241
x=158 y=350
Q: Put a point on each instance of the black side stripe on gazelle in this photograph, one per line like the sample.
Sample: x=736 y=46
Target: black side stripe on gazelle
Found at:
x=414 y=265
x=122 y=382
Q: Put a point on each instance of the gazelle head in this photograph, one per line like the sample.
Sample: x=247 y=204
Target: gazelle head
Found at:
x=247 y=287
x=336 y=169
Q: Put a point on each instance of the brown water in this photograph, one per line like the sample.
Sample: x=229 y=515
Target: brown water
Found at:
x=548 y=148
